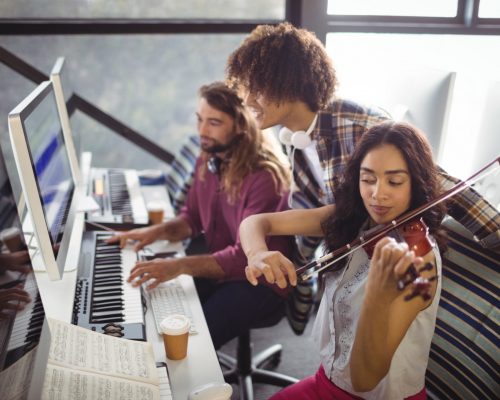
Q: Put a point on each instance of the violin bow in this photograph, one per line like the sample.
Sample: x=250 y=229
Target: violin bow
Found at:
x=316 y=266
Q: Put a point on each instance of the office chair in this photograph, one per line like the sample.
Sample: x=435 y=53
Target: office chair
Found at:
x=464 y=358
x=245 y=370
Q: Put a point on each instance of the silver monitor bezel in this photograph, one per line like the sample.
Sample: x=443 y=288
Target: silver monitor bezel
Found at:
x=54 y=266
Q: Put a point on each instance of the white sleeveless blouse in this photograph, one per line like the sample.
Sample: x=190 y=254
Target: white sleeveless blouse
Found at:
x=335 y=329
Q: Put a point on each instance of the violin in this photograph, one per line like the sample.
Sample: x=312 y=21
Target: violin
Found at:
x=409 y=228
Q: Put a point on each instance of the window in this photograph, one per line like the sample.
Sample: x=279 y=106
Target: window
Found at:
x=489 y=9
x=148 y=82
x=155 y=9
x=421 y=8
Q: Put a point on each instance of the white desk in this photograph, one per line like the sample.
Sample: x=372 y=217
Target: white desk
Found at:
x=201 y=364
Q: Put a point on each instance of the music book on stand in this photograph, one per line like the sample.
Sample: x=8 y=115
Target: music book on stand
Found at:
x=89 y=365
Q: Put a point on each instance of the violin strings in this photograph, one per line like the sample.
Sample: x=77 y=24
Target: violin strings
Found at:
x=306 y=275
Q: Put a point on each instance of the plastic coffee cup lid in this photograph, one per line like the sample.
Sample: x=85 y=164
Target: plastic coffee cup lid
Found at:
x=155 y=205
x=175 y=324
x=10 y=232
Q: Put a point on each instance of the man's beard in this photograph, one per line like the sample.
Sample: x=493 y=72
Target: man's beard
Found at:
x=220 y=148
x=216 y=148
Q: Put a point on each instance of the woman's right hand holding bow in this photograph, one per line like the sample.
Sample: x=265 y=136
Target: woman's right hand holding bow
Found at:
x=275 y=267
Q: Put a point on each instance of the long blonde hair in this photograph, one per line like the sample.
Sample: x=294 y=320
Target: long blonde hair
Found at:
x=254 y=149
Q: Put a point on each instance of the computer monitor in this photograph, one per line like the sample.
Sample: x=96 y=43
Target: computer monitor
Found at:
x=46 y=178
x=24 y=334
x=59 y=81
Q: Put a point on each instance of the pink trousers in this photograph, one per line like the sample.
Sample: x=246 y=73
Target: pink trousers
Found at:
x=319 y=387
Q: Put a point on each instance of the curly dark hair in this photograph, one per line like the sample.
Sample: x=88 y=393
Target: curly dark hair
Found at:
x=284 y=63
x=343 y=225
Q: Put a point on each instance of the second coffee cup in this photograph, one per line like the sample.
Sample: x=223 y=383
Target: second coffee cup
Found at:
x=156 y=210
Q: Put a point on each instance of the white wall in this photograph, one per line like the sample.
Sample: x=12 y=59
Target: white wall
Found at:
x=377 y=67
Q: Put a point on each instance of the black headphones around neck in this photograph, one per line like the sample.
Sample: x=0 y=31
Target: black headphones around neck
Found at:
x=214 y=164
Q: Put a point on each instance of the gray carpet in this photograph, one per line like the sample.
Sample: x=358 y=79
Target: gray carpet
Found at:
x=299 y=357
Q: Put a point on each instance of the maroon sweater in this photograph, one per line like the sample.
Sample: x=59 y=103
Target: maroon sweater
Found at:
x=208 y=210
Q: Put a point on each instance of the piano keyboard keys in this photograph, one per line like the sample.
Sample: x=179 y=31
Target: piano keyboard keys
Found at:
x=103 y=295
x=113 y=267
x=120 y=199
x=119 y=195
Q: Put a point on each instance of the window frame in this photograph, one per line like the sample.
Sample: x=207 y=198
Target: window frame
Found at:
x=100 y=26
x=466 y=22
x=310 y=14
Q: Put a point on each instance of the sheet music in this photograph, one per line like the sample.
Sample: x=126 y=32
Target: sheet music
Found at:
x=77 y=348
x=62 y=383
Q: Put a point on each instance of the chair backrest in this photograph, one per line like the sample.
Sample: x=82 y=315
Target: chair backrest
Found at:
x=180 y=176
x=464 y=357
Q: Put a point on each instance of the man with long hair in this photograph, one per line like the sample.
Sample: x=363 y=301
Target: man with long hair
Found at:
x=288 y=79
x=239 y=172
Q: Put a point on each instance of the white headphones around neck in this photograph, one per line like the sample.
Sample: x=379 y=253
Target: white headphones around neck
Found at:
x=299 y=139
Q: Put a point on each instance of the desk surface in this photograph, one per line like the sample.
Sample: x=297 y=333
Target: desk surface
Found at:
x=201 y=365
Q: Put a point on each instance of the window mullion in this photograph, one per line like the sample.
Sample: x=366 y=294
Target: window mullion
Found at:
x=470 y=12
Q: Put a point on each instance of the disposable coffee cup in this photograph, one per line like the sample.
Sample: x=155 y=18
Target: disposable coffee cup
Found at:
x=12 y=238
x=175 y=331
x=156 y=211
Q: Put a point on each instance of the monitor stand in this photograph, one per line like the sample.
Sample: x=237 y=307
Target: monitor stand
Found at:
x=74 y=247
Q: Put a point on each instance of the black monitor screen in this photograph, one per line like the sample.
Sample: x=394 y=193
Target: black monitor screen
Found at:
x=51 y=164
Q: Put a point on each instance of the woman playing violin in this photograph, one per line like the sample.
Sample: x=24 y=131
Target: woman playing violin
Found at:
x=373 y=342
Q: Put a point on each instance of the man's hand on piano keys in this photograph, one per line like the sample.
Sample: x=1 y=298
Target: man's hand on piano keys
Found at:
x=157 y=271
x=142 y=236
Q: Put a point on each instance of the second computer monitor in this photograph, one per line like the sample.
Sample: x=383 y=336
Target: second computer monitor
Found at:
x=57 y=78
x=45 y=173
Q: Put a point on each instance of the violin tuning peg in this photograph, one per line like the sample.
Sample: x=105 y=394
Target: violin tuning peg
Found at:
x=426 y=296
x=402 y=284
x=421 y=288
x=410 y=276
x=427 y=267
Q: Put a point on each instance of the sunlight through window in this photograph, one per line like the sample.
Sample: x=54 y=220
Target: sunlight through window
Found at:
x=421 y=8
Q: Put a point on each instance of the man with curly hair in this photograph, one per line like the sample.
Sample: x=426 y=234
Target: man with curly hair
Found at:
x=288 y=79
